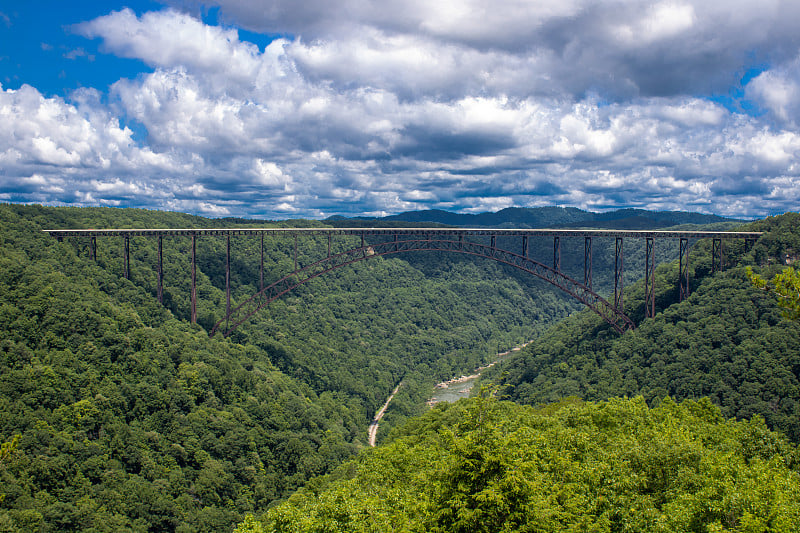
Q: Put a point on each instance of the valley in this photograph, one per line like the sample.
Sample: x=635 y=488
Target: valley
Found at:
x=110 y=399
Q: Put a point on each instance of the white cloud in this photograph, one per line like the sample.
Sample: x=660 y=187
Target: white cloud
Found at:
x=778 y=90
x=460 y=105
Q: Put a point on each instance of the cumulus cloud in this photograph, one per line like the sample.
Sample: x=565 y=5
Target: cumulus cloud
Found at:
x=622 y=48
x=778 y=91
x=457 y=105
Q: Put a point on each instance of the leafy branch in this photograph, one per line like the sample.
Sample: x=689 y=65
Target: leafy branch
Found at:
x=785 y=285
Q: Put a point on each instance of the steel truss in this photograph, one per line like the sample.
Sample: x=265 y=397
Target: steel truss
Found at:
x=252 y=305
x=424 y=239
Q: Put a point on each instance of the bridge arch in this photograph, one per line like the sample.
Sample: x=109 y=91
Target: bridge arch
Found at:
x=241 y=313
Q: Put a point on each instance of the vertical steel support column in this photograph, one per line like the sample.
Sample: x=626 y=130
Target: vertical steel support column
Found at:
x=557 y=254
x=524 y=246
x=362 y=240
x=587 y=263
x=295 y=252
x=126 y=260
x=716 y=255
x=227 y=277
x=395 y=242
x=193 y=312
x=650 y=280
x=494 y=241
x=460 y=242
x=160 y=288
x=683 y=270
x=261 y=268
x=93 y=248
x=329 y=245
x=618 y=271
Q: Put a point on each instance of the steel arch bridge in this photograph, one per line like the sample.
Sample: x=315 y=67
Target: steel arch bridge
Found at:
x=403 y=240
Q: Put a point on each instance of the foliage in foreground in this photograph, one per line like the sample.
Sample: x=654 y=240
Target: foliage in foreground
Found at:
x=482 y=465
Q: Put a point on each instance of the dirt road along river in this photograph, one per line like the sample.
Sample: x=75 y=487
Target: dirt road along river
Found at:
x=373 y=427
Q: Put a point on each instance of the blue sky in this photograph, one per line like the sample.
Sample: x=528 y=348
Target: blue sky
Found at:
x=39 y=47
x=264 y=109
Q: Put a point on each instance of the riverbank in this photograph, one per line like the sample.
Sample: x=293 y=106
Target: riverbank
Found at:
x=460 y=387
x=452 y=390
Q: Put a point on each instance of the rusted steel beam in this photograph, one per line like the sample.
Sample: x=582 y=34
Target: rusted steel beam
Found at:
x=193 y=311
x=716 y=255
x=649 y=280
x=587 y=262
x=557 y=253
x=683 y=270
x=619 y=257
x=437 y=232
x=160 y=271
x=126 y=257
x=261 y=266
x=227 y=276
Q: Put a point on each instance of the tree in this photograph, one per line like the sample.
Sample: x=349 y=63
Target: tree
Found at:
x=786 y=286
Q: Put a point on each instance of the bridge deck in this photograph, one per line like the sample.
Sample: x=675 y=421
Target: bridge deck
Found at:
x=500 y=232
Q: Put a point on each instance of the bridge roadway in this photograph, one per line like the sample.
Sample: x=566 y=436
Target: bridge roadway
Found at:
x=500 y=232
x=430 y=239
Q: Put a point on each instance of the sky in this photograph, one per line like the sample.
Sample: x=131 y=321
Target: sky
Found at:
x=307 y=109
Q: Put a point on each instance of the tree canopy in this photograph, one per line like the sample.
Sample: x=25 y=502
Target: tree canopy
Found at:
x=488 y=466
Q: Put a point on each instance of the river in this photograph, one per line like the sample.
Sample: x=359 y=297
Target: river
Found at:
x=449 y=391
x=454 y=389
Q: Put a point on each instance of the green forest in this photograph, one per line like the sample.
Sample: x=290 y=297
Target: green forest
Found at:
x=118 y=414
x=482 y=465
x=728 y=341
x=129 y=418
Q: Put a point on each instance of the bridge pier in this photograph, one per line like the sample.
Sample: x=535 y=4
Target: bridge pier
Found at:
x=650 y=280
x=557 y=254
x=261 y=267
x=683 y=270
x=126 y=257
x=587 y=263
x=618 y=271
x=716 y=255
x=193 y=311
x=160 y=272
x=227 y=275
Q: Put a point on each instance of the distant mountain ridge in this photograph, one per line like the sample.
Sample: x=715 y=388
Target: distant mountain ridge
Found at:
x=548 y=217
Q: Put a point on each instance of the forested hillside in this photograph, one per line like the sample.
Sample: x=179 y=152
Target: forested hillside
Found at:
x=487 y=466
x=117 y=414
x=548 y=217
x=130 y=419
x=727 y=342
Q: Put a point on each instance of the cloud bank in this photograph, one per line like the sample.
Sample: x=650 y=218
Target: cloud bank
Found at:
x=375 y=108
